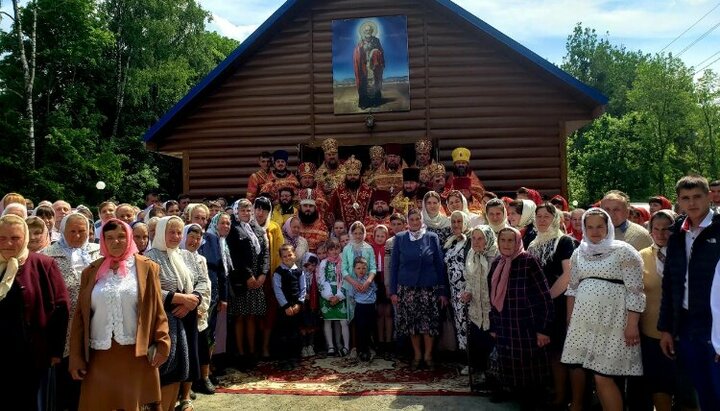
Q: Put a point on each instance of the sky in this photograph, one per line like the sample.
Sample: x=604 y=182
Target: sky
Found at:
x=541 y=25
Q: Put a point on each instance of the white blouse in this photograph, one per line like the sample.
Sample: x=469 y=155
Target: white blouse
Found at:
x=114 y=304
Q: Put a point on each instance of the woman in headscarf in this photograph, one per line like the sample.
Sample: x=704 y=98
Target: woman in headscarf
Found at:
x=47 y=214
x=249 y=253
x=521 y=215
x=553 y=250
x=496 y=214
x=456 y=201
x=417 y=282
x=39 y=235
x=182 y=295
x=291 y=233
x=433 y=218
x=120 y=328
x=172 y=207
x=273 y=236
x=220 y=226
x=476 y=295
x=520 y=318
x=73 y=253
x=34 y=316
x=15 y=208
x=141 y=236
x=605 y=299
x=191 y=240
x=456 y=248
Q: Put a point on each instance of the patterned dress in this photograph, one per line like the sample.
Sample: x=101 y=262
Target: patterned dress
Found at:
x=455 y=263
x=328 y=285
x=527 y=310
x=604 y=290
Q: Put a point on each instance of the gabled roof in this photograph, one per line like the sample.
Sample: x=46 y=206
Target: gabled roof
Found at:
x=256 y=39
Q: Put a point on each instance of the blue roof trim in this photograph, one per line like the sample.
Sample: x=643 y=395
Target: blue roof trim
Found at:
x=246 y=45
x=591 y=92
x=219 y=70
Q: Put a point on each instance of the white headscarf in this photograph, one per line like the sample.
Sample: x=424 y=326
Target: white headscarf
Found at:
x=605 y=247
x=528 y=213
x=463 y=237
x=11 y=265
x=247 y=228
x=477 y=269
x=183 y=242
x=83 y=250
x=15 y=206
x=544 y=245
x=439 y=221
x=497 y=203
x=182 y=273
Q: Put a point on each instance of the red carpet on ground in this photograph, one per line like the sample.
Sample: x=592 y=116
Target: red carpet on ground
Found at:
x=339 y=376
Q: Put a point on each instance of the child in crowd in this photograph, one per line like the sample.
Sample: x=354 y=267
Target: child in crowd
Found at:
x=356 y=247
x=290 y=289
x=384 y=307
x=321 y=252
x=338 y=229
x=310 y=307
x=364 y=299
x=344 y=240
x=333 y=305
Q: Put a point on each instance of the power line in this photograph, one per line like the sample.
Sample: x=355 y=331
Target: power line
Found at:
x=690 y=28
x=707 y=65
x=703 y=62
x=702 y=36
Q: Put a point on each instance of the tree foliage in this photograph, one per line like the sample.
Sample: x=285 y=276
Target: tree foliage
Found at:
x=660 y=122
x=106 y=70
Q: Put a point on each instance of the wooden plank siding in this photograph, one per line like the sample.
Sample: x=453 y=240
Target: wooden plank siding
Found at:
x=466 y=90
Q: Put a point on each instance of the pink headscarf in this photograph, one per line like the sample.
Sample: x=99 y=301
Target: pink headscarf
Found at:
x=110 y=260
x=502 y=272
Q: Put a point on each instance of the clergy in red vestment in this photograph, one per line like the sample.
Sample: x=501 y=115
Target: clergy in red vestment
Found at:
x=351 y=199
x=312 y=227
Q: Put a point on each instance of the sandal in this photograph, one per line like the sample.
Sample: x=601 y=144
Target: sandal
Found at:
x=185 y=405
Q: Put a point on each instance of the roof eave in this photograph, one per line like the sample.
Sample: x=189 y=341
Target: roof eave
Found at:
x=218 y=72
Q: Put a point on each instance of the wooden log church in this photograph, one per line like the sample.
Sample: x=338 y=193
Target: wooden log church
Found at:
x=448 y=76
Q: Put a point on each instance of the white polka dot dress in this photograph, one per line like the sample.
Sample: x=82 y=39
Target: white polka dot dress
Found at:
x=605 y=288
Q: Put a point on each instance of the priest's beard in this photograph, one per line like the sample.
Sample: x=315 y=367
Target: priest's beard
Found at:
x=286 y=207
x=281 y=173
x=352 y=184
x=380 y=215
x=409 y=194
x=308 y=218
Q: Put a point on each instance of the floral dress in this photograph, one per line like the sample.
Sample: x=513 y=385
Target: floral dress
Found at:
x=455 y=263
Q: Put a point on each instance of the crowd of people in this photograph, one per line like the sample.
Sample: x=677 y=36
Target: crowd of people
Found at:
x=414 y=263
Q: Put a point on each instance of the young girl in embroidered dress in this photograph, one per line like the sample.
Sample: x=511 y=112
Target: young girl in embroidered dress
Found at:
x=333 y=305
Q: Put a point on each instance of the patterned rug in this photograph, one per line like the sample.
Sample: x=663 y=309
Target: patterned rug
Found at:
x=340 y=376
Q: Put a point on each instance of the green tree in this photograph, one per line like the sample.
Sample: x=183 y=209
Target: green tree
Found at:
x=663 y=95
